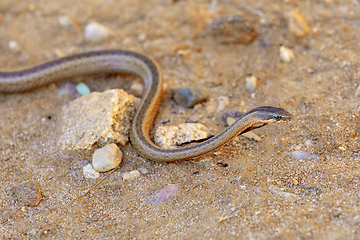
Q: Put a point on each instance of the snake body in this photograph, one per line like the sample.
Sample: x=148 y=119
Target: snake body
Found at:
x=110 y=61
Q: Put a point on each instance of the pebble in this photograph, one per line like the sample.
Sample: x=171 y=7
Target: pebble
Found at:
x=82 y=89
x=215 y=105
x=14 y=46
x=107 y=158
x=96 y=32
x=173 y=136
x=223 y=102
x=304 y=155
x=137 y=89
x=128 y=176
x=231 y=29
x=97 y=119
x=251 y=84
x=286 y=54
x=297 y=24
x=67 y=23
x=300 y=155
x=291 y=197
x=90 y=172
x=143 y=170
x=165 y=194
x=188 y=97
x=308 y=143
x=27 y=193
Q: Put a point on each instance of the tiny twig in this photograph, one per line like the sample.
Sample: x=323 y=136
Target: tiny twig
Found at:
x=87 y=191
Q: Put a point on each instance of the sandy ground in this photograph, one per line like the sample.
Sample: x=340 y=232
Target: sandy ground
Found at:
x=247 y=189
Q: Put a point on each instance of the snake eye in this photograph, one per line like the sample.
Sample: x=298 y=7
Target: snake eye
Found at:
x=277 y=117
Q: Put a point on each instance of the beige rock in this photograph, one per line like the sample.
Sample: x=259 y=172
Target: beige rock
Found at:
x=172 y=136
x=251 y=84
x=286 y=54
x=297 y=24
x=128 y=176
x=97 y=119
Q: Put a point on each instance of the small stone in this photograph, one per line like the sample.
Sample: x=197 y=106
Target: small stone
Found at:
x=96 y=32
x=300 y=155
x=130 y=175
x=90 y=172
x=184 y=52
x=143 y=170
x=223 y=102
x=286 y=54
x=295 y=182
x=173 y=136
x=215 y=105
x=28 y=193
x=67 y=23
x=107 y=158
x=142 y=37
x=82 y=89
x=297 y=24
x=308 y=143
x=251 y=84
x=231 y=29
x=291 y=197
x=14 y=46
x=94 y=120
x=165 y=194
x=188 y=97
x=137 y=89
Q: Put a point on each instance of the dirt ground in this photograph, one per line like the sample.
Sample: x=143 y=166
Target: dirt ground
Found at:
x=246 y=189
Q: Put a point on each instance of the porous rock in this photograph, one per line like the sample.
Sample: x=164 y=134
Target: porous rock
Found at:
x=97 y=119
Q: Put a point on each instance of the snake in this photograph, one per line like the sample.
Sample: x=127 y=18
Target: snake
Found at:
x=118 y=61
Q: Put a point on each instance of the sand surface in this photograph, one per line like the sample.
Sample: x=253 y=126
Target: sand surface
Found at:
x=246 y=189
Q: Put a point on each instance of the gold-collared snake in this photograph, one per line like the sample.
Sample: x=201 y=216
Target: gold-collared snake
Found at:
x=112 y=61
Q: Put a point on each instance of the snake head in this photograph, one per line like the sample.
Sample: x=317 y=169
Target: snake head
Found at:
x=272 y=114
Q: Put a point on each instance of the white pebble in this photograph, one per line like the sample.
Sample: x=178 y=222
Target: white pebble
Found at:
x=95 y=32
x=65 y=22
x=286 y=54
x=251 y=84
x=90 y=172
x=107 y=158
x=223 y=103
x=137 y=89
x=14 y=46
x=131 y=175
